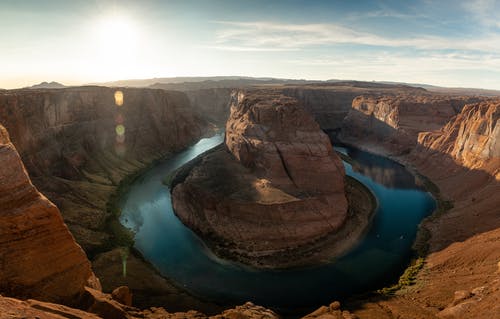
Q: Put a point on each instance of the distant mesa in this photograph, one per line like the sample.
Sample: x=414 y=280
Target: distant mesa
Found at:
x=47 y=85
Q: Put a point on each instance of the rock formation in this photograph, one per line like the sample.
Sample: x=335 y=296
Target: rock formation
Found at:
x=38 y=256
x=274 y=188
x=79 y=143
x=396 y=120
x=462 y=159
x=472 y=137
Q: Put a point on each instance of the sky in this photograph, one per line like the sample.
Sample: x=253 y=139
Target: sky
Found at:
x=449 y=43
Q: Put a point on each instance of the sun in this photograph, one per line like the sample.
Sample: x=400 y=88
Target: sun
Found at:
x=115 y=44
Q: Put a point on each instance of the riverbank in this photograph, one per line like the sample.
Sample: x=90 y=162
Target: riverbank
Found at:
x=420 y=246
x=149 y=287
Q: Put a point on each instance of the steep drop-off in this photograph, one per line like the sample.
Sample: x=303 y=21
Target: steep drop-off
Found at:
x=256 y=199
x=396 y=120
x=472 y=137
x=461 y=277
x=330 y=103
x=78 y=144
x=38 y=256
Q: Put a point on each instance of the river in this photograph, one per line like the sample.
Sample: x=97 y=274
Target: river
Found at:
x=378 y=259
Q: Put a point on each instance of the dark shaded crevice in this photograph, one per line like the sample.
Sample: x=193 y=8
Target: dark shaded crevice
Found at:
x=285 y=166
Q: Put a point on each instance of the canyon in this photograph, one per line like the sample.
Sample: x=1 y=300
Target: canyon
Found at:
x=256 y=200
x=72 y=146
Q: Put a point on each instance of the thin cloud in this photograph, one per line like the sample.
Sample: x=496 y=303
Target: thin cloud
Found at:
x=248 y=35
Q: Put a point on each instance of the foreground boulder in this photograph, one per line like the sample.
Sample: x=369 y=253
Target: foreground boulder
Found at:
x=273 y=192
x=38 y=256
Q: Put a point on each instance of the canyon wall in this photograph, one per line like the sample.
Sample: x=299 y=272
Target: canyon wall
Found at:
x=330 y=103
x=79 y=143
x=472 y=137
x=39 y=257
x=460 y=278
x=212 y=104
x=396 y=120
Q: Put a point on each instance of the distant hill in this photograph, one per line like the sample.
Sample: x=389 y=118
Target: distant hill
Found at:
x=226 y=83
x=47 y=85
x=450 y=90
x=210 y=81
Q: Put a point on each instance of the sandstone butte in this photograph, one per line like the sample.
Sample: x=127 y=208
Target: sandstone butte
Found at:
x=274 y=189
x=460 y=278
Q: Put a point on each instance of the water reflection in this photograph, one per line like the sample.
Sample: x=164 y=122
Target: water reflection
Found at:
x=378 y=168
x=379 y=258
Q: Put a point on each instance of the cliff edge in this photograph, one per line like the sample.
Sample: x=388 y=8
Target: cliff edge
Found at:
x=39 y=257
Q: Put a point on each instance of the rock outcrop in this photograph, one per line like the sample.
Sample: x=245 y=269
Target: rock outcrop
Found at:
x=257 y=199
x=396 y=120
x=38 y=256
x=472 y=137
x=330 y=103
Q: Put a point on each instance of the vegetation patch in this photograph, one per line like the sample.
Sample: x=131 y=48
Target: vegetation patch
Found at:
x=408 y=278
x=421 y=244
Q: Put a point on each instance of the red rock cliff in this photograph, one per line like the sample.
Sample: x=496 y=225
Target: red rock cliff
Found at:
x=472 y=137
x=396 y=120
x=38 y=256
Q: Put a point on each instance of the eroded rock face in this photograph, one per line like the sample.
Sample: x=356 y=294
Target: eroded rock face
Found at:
x=79 y=143
x=396 y=120
x=274 y=137
x=472 y=137
x=276 y=185
x=38 y=256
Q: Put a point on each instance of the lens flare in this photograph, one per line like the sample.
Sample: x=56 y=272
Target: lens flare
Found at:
x=119 y=98
x=120 y=130
x=120 y=139
x=119 y=119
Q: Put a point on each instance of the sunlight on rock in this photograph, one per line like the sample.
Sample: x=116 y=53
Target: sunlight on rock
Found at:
x=119 y=98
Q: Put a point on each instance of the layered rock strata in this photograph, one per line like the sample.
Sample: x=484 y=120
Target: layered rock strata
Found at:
x=38 y=256
x=461 y=276
x=275 y=187
x=79 y=143
x=396 y=120
x=472 y=137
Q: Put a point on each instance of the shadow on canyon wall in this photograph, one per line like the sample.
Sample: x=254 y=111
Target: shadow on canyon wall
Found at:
x=471 y=194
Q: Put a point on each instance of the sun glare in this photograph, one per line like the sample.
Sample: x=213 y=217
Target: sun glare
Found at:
x=116 y=44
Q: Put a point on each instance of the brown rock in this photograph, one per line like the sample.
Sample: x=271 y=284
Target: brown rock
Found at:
x=472 y=137
x=396 y=120
x=123 y=295
x=259 y=197
x=103 y=305
x=76 y=152
x=39 y=257
x=11 y=308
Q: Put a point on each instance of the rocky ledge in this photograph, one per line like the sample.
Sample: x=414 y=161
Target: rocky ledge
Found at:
x=275 y=194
